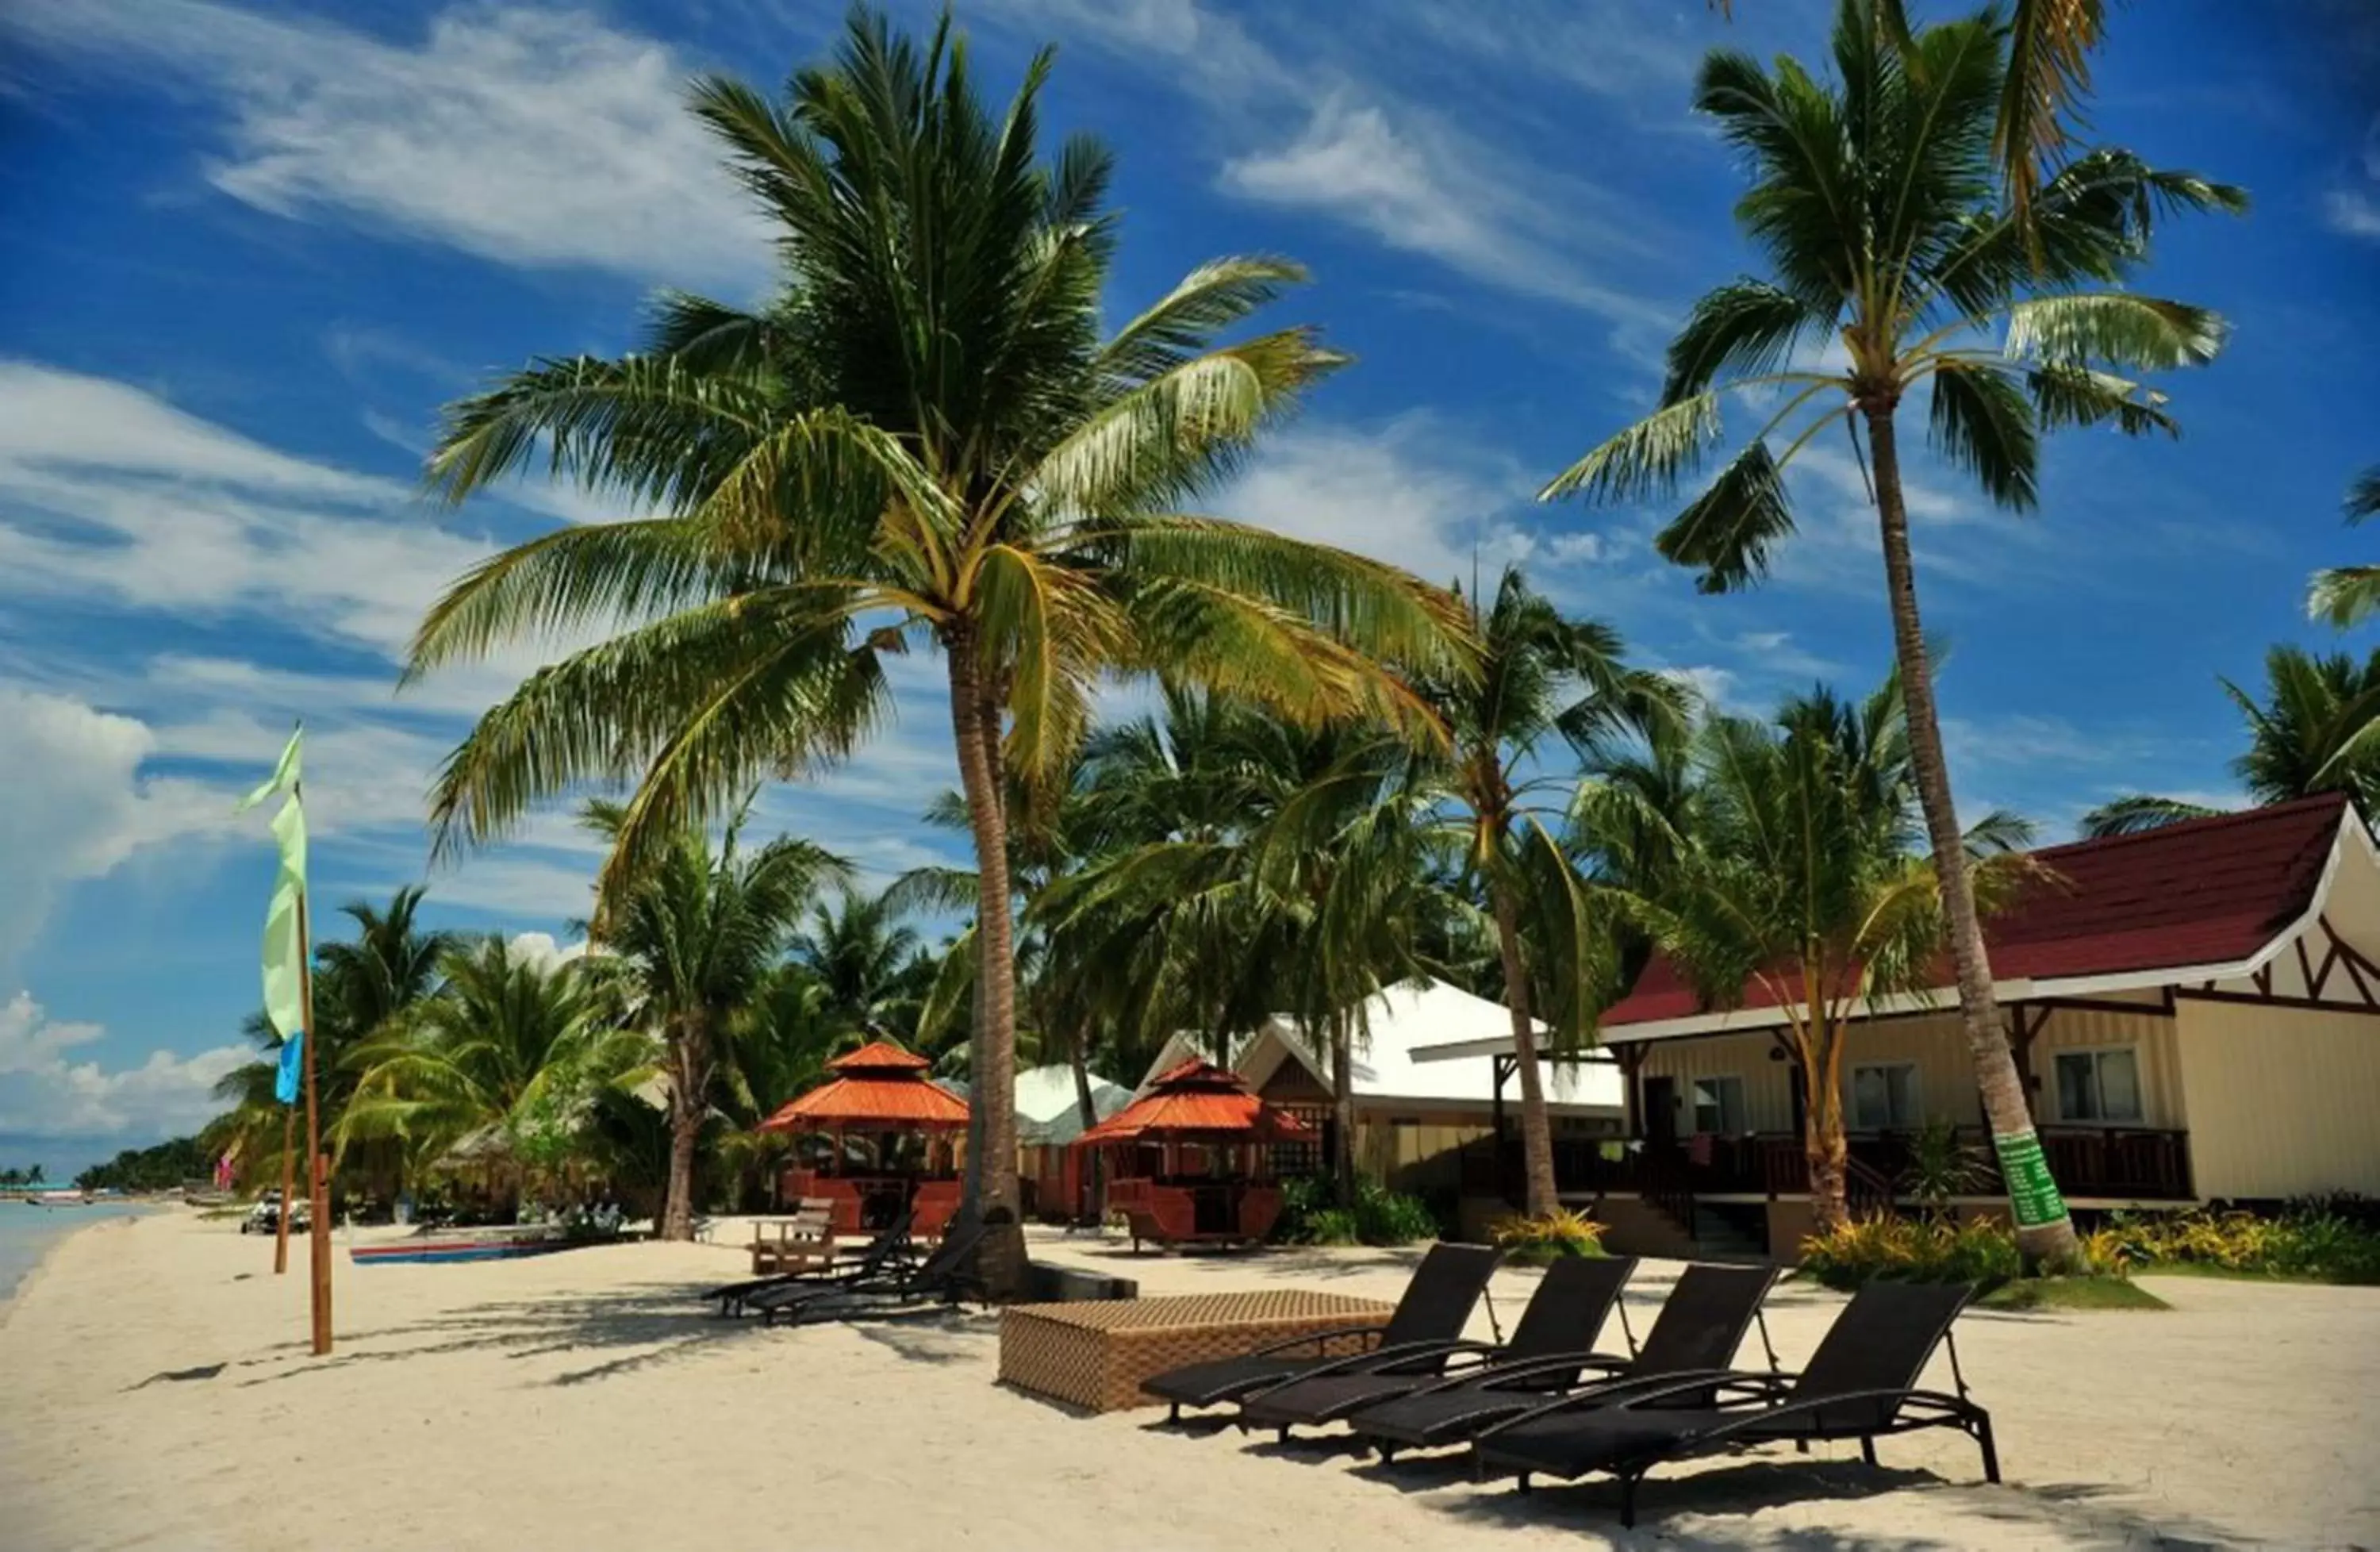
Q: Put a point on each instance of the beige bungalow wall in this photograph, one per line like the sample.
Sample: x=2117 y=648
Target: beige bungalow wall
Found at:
x=2283 y=1102
x=2278 y=1101
x=1945 y=1076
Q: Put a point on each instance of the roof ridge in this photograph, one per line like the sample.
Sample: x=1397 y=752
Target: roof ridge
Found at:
x=2200 y=824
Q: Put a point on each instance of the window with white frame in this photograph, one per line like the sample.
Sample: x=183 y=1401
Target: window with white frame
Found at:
x=1719 y=1107
x=1885 y=1096
x=2100 y=1085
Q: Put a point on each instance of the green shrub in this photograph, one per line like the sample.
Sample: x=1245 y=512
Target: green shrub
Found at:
x=2319 y=1246
x=1548 y=1238
x=1311 y=1214
x=1910 y=1250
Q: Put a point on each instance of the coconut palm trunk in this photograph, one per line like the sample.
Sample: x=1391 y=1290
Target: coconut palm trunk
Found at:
x=689 y=1082
x=990 y=1180
x=2044 y=1230
x=1542 y=1194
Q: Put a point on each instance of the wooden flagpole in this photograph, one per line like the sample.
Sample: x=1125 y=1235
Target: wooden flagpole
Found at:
x=318 y=1176
x=289 y=1188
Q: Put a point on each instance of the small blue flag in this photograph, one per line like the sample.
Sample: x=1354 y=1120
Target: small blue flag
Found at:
x=293 y=1056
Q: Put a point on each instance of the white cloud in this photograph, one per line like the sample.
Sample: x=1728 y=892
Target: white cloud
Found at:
x=45 y=1094
x=2354 y=212
x=1407 y=492
x=531 y=136
x=78 y=803
x=1413 y=184
x=1312 y=124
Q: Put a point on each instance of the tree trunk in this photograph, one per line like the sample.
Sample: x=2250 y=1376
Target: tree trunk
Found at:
x=992 y=1045
x=1543 y=1196
x=2045 y=1234
x=689 y=1078
x=1342 y=1108
x=1078 y=1057
x=1822 y=1135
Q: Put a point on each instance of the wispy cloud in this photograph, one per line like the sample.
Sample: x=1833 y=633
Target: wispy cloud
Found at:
x=49 y=1096
x=530 y=137
x=1313 y=122
x=2355 y=209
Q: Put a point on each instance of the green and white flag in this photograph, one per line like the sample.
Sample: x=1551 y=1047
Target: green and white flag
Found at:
x=285 y=948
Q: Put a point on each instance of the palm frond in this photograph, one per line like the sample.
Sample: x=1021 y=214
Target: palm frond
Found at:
x=2138 y=814
x=1980 y=422
x=2114 y=327
x=1647 y=458
x=1729 y=530
x=2048 y=73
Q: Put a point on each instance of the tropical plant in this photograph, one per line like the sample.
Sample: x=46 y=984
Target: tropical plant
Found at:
x=1541 y=676
x=2317 y=729
x=1941 y=1168
x=2346 y=595
x=695 y=936
x=498 y=1069
x=1872 y=201
x=923 y=438
x=865 y=960
x=1910 y=1250
x=1806 y=878
x=361 y=986
x=2308 y=1243
x=1547 y=1236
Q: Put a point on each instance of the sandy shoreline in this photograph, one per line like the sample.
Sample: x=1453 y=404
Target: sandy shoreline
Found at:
x=158 y=1392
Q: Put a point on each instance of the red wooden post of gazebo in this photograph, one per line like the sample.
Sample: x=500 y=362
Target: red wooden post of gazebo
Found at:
x=1186 y=1162
x=880 y=1092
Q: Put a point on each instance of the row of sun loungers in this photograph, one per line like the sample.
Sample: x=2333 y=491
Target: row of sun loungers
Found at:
x=1546 y=1402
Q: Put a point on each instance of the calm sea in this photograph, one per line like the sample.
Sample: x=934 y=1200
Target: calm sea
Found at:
x=26 y=1232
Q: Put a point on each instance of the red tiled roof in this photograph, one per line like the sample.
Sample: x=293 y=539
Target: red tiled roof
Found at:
x=878 y=1056
x=1198 y=1098
x=2204 y=891
x=879 y=1087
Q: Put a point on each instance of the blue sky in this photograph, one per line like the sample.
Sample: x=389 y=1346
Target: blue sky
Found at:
x=246 y=250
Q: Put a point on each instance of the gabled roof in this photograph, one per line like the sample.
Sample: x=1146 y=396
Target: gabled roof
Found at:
x=1198 y=1100
x=878 y=1086
x=2202 y=900
x=1401 y=1022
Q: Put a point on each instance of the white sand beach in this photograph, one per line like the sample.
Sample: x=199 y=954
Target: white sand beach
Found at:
x=158 y=1393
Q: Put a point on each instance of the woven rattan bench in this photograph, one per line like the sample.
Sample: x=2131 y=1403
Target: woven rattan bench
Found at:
x=1094 y=1355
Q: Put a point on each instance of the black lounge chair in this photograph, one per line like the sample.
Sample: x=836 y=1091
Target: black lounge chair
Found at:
x=1860 y=1384
x=1701 y=1325
x=882 y=1255
x=1428 y=1319
x=944 y=1278
x=1563 y=1315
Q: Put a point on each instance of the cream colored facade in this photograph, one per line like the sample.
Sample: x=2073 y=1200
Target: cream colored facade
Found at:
x=2277 y=1101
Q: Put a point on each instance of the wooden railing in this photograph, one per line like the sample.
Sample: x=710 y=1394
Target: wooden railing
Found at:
x=2125 y=1162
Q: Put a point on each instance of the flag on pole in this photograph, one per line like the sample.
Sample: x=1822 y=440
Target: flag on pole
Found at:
x=283 y=950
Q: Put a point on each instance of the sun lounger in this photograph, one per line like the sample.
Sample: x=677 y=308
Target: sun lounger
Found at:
x=943 y=1277
x=1860 y=1384
x=1701 y=1324
x=882 y=1255
x=1426 y=1325
x=1563 y=1315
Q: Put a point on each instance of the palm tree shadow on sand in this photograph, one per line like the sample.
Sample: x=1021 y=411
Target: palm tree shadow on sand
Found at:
x=640 y=1327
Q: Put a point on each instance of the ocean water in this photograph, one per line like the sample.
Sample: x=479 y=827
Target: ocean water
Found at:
x=26 y=1232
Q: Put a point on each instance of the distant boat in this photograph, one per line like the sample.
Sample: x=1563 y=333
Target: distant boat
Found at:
x=468 y=1244
x=68 y=1198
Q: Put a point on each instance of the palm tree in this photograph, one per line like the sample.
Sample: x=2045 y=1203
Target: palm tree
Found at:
x=697 y=937
x=924 y=440
x=861 y=954
x=1872 y=199
x=1804 y=875
x=2317 y=729
x=2049 y=70
x=2345 y=595
x=505 y=1059
x=776 y=1047
x=1540 y=676
x=360 y=988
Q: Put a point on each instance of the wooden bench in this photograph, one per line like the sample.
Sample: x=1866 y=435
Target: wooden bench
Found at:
x=795 y=1244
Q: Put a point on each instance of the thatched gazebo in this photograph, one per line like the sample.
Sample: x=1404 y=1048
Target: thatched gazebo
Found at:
x=879 y=1097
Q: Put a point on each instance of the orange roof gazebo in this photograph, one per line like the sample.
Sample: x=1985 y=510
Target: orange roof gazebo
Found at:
x=1198 y=1101
x=879 y=1087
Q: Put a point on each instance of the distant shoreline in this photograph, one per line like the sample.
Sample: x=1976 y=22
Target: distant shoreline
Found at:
x=15 y=1283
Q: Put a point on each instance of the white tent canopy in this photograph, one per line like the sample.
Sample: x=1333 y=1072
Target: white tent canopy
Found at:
x=1393 y=1028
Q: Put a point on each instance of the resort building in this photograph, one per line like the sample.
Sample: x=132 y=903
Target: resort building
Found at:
x=2194 y=1010
x=1412 y=1118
